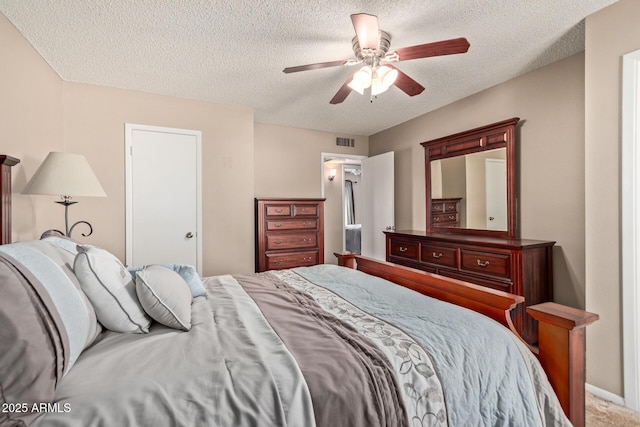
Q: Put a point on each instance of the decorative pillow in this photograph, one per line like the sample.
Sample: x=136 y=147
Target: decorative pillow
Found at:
x=63 y=251
x=110 y=289
x=187 y=272
x=165 y=296
x=63 y=242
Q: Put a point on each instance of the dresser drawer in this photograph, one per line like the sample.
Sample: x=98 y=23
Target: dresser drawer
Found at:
x=450 y=207
x=445 y=218
x=437 y=207
x=439 y=255
x=404 y=249
x=292 y=224
x=278 y=210
x=490 y=263
x=305 y=210
x=289 y=260
x=289 y=241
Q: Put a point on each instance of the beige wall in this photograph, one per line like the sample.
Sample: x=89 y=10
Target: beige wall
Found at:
x=40 y=113
x=550 y=104
x=288 y=163
x=94 y=119
x=30 y=126
x=610 y=33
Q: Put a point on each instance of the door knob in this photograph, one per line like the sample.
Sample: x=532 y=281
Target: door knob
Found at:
x=189 y=235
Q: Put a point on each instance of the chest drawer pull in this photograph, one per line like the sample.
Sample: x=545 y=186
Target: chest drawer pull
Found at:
x=306 y=240
x=436 y=218
x=452 y=217
x=278 y=242
x=437 y=255
x=307 y=259
x=277 y=261
x=277 y=225
x=403 y=249
x=482 y=264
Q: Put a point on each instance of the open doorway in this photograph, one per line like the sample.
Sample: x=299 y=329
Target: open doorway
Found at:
x=341 y=188
x=373 y=202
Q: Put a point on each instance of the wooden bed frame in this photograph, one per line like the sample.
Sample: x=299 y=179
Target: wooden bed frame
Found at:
x=561 y=329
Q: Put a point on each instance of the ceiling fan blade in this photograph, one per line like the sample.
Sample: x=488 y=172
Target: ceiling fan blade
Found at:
x=315 y=66
x=366 y=27
x=407 y=84
x=444 y=47
x=343 y=92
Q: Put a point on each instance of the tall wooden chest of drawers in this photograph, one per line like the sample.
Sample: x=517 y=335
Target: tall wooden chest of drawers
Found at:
x=289 y=233
x=518 y=266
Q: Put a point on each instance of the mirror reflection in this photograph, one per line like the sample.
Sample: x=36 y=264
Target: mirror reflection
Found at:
x=470 y=191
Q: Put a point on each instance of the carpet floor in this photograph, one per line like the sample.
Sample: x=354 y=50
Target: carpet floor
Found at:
x=603 y=413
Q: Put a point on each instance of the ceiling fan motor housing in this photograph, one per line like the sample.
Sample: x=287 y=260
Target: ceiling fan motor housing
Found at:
x=370 y=55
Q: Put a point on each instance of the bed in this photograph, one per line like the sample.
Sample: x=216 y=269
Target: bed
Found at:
x=325 y=345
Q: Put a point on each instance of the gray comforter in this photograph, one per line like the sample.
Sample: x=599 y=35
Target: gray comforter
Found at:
x=275 y=349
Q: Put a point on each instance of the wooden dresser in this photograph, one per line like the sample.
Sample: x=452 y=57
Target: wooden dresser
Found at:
x=518 y=266
x=445 y=212
x=289 y=233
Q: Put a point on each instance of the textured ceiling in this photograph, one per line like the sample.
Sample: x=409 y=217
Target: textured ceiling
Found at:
x=233 y=51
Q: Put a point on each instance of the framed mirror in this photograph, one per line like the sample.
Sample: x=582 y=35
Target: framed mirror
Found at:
x=471 y=181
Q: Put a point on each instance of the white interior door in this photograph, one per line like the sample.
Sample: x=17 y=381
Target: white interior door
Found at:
x=377 y=181
x=163 y=196
x=496 y=193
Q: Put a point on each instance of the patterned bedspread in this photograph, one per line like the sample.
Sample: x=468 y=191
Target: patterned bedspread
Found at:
x=322 y=345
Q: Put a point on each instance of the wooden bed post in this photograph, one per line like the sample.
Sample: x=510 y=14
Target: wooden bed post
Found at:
x=6 y=162
x=561 y=351
x=346 y=259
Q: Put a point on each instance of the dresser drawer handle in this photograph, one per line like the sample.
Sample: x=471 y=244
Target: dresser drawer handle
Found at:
x=277 y=261
x=482 y=264
x=307 y=259
x=436 y=218
x=452 y=217
x=451 y=207
x=403 y=249
x=306 y=240
x=437 y=255
x=279 y=210
x=277 y=225
x=279 y=242
x=307 y=223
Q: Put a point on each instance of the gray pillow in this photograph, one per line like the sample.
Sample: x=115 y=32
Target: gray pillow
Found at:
x=165 y=296
x=186 y=271
x=110 y=289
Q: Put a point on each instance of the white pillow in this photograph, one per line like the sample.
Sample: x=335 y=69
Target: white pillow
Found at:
x=165 y=296
x=110 y=289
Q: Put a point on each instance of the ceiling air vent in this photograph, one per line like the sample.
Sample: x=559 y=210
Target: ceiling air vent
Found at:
x=345 y=142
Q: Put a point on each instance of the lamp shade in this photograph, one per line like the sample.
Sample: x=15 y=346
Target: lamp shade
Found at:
x=65 y=174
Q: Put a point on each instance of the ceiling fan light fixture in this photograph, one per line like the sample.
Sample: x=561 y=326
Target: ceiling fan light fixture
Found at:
x=382 y=79
x=361 y=80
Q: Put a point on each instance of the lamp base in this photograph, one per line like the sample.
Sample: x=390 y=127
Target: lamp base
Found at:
x=66 y=202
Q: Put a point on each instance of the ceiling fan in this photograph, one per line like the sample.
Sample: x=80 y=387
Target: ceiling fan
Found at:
x=371 y=48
